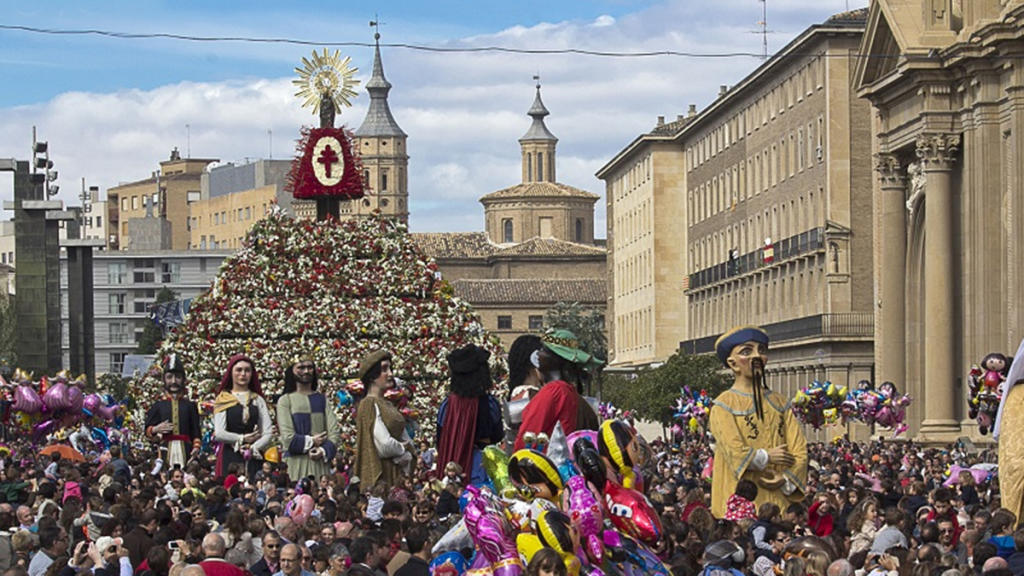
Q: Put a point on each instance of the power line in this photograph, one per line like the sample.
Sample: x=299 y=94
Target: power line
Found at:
x=417 y=47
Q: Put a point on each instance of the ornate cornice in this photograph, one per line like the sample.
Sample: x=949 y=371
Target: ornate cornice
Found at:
x=890 y=171
x=938 y=151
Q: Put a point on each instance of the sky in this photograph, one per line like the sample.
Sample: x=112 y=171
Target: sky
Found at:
x=112 y=108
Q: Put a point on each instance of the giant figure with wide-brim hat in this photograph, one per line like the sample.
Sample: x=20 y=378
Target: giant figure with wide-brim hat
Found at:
x=383 y=447
x=756 y=435
x=1009 y=431
x=563 y=366
x=174 y=420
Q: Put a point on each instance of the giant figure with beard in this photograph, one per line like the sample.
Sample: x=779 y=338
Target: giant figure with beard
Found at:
x=309 y=428
x=174 y=421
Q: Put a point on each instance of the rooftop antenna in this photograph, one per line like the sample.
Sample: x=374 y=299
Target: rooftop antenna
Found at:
x=764 y=31
x=536 y=78
x=270 y=143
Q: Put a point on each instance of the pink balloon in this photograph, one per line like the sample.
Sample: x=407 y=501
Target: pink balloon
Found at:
x=92 y=403
x=43 y=428
x=56 y=397
x=108 y=413
x=584 y=509
x=26 y=399
x=302 y=506
x=75 y=399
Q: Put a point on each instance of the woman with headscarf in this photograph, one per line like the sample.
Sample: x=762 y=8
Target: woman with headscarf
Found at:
x=242 y=426
x=383 y=448
x=563 y=367
x=470 y=418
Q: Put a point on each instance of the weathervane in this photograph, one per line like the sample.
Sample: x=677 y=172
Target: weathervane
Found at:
x=326 y=83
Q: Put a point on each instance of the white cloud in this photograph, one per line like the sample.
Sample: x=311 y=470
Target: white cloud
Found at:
x=463 y=112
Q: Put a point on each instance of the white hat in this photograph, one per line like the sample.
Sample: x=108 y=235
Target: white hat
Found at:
x=105 y=542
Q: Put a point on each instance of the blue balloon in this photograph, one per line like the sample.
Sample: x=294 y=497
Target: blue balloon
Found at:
x=448 y=564
x=101 y=435
x=344 y=398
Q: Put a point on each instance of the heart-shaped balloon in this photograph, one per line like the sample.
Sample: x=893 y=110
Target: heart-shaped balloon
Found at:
x=27 y=400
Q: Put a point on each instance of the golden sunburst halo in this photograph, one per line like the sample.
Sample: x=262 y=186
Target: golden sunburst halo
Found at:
x=326 y=75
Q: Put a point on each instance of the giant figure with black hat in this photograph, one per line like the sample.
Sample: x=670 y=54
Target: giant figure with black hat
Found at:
x=469 y=418
x=383 y=447
x=1009 y=431
x=756 y=435
x=563 y=367
x=174 y=420
x=307 y=423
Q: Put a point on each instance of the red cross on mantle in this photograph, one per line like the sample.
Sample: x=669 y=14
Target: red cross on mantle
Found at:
x=328 y=157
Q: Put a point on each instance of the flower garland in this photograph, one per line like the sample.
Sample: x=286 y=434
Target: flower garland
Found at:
x=333 y=290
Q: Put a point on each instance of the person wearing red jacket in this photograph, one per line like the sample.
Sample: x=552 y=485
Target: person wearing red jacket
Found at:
x=942 y=509
x=563 y=366
x=820 y=517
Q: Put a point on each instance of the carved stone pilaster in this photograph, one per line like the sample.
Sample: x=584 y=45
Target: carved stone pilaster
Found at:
x=938 y=152
x=890 y=171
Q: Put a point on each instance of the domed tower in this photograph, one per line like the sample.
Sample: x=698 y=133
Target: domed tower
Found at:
x=539 y=207
x=382 y=148
x=538 y=145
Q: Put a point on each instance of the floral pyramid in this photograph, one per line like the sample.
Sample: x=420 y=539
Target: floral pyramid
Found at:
x=336 y=290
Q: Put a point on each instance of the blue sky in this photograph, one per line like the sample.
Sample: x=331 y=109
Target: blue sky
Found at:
x=113 y=108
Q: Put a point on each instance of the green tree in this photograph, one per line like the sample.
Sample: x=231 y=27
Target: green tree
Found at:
x=152 y=334
x=585 y=322
x=651 y=394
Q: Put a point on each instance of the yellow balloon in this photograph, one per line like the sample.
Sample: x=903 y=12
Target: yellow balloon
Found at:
x=528 y=545
x=273 y=454
x=495 y=463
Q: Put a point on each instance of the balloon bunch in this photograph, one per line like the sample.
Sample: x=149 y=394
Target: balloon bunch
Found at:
x=820 y=404
x=985 y=389
x=51 y=405
x=692 y=409
x=884 y=407
x=563 y=499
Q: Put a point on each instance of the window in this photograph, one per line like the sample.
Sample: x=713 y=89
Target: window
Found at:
x=170 y=272
x=116 y=362
x=504 y=322
x=366 y=177
x=506 y=230
x=192 y=196
x=117 y=273
x=135 y=202
x=540 y=166
x=248 y=213
x=99 y=221
x=536 y=323
x=529 y=167
x=117 y=303
x=141 y=300
x=144 y=276
x=202 y=243
x=124 y=204
x=119 y=333
x=384 y=180
x=579 y=230
x=202 y=261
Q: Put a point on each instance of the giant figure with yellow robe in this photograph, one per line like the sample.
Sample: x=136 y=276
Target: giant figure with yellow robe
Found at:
x=756 y=434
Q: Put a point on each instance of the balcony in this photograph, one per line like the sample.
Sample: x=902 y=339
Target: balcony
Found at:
x=806 y=242
x=852 y=325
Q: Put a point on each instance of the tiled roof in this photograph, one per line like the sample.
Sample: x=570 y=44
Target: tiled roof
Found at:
x=539 y=190
x=670 y=128
x=520 y=291
x=461 y=245
x=454 y=244
x=858 y=16
x=549 y=247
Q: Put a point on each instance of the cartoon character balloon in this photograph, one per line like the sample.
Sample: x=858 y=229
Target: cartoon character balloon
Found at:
x=632 y=513
x=535 y=473
x=624 y=450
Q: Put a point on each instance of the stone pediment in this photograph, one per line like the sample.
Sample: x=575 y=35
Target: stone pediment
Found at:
x=881 y=49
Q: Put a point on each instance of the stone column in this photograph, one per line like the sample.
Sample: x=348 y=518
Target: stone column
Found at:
x=937 y=153
x=890 y=329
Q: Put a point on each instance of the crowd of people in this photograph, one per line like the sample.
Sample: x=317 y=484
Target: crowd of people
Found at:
x=378 y=506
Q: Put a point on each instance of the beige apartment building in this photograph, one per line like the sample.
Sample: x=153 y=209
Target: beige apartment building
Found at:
x=943 y=78
x=645 y=187
x=779 y=211
x=169 y=190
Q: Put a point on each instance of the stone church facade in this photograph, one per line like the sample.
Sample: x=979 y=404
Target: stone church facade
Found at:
x=537 y=250
x=945 y=81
